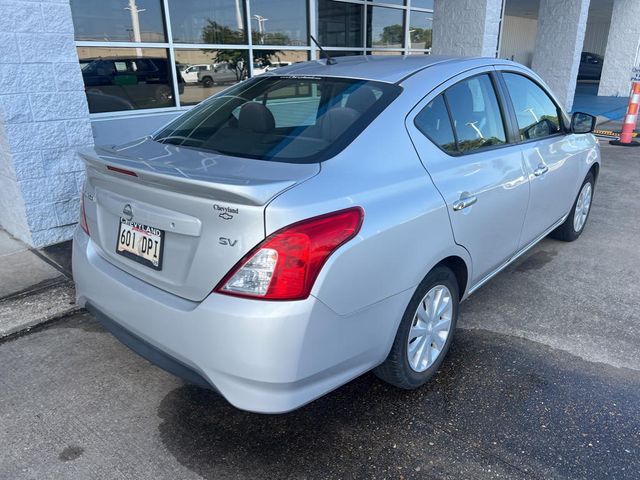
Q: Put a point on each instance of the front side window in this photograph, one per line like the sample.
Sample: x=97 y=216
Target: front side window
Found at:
x=536 y=113
x=475 y=113
x=287 y=119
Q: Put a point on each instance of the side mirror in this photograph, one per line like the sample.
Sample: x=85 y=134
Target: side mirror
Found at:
x=582 y=123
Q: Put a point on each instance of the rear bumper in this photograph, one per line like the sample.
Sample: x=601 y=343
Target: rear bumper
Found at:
x=267 y=357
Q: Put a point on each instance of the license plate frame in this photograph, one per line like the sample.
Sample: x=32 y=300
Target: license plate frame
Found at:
x=145 y=231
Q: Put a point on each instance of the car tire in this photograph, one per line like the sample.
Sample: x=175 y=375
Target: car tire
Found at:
x=574 y=225
x=207 y=82
x=402 y=368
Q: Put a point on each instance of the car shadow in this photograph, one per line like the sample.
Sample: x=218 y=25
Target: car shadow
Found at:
x=499 y=402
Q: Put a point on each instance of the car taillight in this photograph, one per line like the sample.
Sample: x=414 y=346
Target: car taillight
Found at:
x=83 y=216
x=286 y=264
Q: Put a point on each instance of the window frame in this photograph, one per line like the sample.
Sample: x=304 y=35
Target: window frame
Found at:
x=506 y=120
x=515 y=128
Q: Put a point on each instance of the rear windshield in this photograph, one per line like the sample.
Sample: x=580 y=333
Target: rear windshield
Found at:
x=282 y=118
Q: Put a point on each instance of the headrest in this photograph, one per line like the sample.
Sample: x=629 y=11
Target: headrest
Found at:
x=256 y=117
x=362 y=99
x=336 y=120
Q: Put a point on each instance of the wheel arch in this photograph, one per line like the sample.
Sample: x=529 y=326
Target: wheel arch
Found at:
x=460 y=269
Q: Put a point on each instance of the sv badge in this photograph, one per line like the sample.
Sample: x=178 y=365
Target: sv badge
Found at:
x=227 y=241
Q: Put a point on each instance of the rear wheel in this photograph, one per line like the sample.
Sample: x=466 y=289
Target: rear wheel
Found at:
x=425 y=332
x=207 y=82
x=574 y=225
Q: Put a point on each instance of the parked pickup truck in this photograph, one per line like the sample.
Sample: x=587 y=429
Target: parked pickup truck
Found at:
x=219 y=74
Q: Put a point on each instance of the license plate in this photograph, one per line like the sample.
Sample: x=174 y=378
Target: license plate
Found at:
x=141 y=243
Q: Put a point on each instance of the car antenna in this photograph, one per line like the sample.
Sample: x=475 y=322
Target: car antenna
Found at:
x=330 y=61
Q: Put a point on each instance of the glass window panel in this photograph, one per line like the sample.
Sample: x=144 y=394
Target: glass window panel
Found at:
x=422 y=4
x=385 y=27
x=269 y=60
x=420 y=30
x=433 y=121
x=386 y=52
x=393 y=2
x=208 y=21
x=279 y=23
x=118 y=79
x=476 y=116
x=206 y=72
x=536 y=113
x=339 y=24
x=339 y=53
x=123 y=21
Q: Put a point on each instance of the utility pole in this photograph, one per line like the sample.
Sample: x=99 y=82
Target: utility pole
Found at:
x=261 y=30
x=135 y=21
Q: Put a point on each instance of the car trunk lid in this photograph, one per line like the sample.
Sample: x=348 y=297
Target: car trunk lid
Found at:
x=210 y=208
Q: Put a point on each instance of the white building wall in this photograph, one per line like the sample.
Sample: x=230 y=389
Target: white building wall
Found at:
x=623 y=49
x=43 y=120
x=595 y=39
x=466 y=27
x=559 y=39
x=518 y=39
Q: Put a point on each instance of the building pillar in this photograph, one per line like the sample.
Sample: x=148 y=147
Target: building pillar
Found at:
x=44 y=119
x=556 y=58
x=466 y=27
x=623 y=49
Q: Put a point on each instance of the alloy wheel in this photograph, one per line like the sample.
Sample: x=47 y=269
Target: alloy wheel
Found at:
x=430 y=328
x=583 y=205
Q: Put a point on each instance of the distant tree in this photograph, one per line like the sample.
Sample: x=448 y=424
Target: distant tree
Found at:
x=392 y=35
x=213 y=32
x=421 y=35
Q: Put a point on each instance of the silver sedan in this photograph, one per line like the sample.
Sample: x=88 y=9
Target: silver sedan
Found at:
x=310 y=224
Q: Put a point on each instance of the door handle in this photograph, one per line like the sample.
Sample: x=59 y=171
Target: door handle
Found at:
x=541 y=170
x=464 y=203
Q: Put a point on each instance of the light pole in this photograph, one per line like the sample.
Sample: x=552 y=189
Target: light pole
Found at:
x=261 y=30
x=135 y=20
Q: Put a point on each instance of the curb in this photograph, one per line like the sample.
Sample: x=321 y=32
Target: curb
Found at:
x=22 y=312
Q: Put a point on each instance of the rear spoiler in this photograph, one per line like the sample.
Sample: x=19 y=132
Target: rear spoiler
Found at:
x=247 y=189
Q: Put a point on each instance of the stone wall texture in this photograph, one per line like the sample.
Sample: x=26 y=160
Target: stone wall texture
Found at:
x=44 y=119
x=623 y=49
x=466 y=27
x=561 y=30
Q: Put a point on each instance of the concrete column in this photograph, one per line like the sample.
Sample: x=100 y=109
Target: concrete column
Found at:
x=556 y=58
x=623 y=49
x=43 y=120
x=466 y=27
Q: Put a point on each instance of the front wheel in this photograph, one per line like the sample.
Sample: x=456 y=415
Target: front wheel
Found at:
x=424 y=335
x=574 y=225
x=207 y=82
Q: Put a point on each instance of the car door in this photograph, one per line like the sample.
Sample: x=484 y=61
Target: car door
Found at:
x=460 y=134
x=548 y=151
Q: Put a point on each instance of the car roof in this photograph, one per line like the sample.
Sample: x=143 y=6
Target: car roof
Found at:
x=385 y=68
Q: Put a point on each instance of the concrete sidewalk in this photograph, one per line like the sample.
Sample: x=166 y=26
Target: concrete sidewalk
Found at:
x=35 y=285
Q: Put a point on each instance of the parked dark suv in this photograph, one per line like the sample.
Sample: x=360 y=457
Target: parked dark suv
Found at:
x=590 y=66
x=126 y=83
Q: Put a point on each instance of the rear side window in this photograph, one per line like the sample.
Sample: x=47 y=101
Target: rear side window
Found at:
x=433 y=121
x=286 y=119
x=475 y=113
x=537 y=115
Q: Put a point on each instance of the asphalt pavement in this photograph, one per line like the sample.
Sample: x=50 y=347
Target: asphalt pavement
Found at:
x=543 y=381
